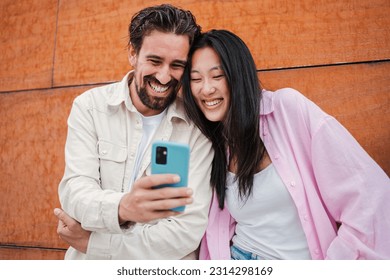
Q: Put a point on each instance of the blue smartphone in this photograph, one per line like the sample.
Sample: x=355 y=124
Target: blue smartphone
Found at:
x=171 y=158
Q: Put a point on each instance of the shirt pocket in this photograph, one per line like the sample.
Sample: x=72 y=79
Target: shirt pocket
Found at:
x=112 y=158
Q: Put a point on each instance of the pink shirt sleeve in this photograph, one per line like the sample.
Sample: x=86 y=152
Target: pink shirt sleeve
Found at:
x=356 y=192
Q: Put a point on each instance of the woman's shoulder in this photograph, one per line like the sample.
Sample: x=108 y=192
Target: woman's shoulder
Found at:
x=285 y=94
x=289 y=103
x=287 y=98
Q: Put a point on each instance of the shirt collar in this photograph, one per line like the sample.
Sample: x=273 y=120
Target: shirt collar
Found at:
x=121 y=94
x=121 y=91
x=266 y=104
x=176 y=110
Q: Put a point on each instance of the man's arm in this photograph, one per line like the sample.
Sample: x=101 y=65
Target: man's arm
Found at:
x=70 y=231
x=143 y=204
x=80 y=191
x=169 y=238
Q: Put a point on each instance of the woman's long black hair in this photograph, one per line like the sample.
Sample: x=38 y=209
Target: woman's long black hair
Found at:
x=239 y=133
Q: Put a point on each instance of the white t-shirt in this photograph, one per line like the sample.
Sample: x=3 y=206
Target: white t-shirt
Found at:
x=267 y=222
x=149 y=126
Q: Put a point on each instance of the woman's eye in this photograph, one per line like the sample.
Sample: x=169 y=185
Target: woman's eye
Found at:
x=195 y=80
x=218 y=77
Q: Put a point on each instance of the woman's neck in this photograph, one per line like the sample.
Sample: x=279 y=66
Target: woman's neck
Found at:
x=264 y=162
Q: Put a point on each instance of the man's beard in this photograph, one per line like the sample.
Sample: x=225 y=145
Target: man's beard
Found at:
x=156 y=103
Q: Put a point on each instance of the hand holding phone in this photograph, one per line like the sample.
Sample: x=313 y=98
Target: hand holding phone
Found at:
x=171 y=158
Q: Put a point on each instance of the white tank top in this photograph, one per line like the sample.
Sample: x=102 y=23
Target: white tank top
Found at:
x=267 y=222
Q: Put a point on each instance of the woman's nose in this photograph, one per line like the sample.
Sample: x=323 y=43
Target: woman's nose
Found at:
x=208 y=88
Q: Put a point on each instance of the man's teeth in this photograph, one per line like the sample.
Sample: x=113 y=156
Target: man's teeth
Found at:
x=158 y=88
x=214 y=102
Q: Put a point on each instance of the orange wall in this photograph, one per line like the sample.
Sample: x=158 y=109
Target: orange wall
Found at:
x=335 y=52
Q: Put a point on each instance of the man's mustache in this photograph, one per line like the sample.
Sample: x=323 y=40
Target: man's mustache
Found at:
x=172 y=83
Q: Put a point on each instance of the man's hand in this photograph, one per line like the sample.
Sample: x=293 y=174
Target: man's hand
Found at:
x=71 y=231
x=145 y=203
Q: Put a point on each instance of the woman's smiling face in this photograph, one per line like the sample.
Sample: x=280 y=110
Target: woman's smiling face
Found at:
x=209 y=85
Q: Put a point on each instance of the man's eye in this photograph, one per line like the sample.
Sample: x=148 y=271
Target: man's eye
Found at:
x=178 y=66
x=154 y=62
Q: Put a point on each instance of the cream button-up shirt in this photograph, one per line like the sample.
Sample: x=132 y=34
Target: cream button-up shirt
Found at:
x=104 y=130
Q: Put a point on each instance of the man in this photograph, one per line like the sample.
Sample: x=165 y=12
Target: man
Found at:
x=107 y=187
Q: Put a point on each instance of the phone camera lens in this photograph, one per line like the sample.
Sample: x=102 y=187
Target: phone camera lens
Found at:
x=161 y=155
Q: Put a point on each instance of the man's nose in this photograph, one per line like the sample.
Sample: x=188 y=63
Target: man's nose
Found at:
x=164 y=75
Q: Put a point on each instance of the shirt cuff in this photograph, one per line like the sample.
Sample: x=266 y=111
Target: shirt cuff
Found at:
x=110 y=209
x=99 y=246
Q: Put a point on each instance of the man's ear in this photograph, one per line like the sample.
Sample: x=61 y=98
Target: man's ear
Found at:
x=132 y=55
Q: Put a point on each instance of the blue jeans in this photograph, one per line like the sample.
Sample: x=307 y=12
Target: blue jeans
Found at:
x=240 y=254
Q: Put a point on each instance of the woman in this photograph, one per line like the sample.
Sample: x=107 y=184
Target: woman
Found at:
x=290 y=182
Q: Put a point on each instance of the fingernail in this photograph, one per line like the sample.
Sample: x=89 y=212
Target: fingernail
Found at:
x=176 y=179
x=189 y=191
x=57 y=211
x=189 y=200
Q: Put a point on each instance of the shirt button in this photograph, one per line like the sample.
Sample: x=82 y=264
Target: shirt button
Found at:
x=104 y=152
x=276 y=157
x=306 y=217
x=316 y=251
x=292 y=184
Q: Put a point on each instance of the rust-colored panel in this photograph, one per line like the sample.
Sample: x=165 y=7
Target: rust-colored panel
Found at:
x=357 y=95
x=7 y=253
x=92 y=41
x=27 y=43
x=92 y=36
x=284 y=33
x=32 y=137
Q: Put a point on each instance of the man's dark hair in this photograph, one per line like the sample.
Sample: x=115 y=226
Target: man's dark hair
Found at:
x=164 y=18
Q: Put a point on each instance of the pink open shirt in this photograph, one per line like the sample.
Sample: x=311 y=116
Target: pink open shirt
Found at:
x=330 y=178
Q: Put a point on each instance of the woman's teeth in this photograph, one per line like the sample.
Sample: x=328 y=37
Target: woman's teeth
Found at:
x=213 y=102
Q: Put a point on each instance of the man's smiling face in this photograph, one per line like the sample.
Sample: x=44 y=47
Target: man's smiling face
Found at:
x=158 y=68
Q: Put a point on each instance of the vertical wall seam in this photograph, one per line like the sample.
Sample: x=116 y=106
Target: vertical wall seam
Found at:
x=55 y=45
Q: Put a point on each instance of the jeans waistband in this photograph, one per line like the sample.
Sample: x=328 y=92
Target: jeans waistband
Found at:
x=241 y=254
